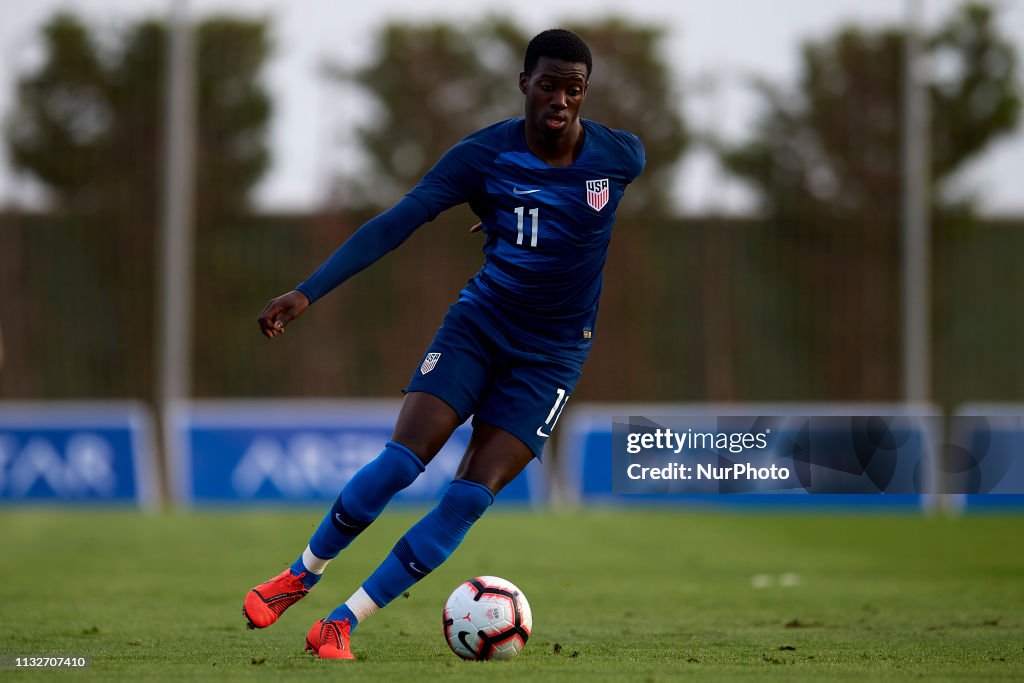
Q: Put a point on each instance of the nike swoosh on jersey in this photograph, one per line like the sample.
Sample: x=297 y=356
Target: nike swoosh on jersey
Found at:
x=516 y=190
x=540 y=433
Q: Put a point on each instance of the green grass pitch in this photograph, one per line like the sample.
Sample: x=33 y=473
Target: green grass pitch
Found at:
x=616 y=595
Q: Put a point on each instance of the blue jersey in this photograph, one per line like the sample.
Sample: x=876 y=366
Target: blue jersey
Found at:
x=548 y=228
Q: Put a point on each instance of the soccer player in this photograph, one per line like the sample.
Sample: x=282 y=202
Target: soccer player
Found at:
x=510 y=350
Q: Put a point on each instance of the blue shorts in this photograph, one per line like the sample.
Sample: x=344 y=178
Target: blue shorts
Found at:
x=474 y=366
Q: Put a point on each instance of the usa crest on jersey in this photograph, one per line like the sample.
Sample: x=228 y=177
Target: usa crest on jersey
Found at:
x=597 y=193
x=429 y=362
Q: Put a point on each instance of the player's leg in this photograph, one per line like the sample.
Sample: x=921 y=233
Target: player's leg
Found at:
x=441 y=395
x=493 y=459
x=424 y=424
x=514 y=419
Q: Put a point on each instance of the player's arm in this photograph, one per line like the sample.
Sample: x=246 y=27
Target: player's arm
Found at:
x=280 y=311
x=451 y=181
x=373 y=240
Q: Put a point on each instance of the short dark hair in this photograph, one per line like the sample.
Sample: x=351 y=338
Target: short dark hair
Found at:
x=557 y=43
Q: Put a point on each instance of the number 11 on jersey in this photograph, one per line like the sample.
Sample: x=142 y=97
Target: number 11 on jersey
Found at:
x=535 y=216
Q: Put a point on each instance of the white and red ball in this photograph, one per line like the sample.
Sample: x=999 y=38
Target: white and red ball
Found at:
x=487 y=618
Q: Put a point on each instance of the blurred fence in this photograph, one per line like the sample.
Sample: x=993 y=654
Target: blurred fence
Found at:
x=693 y=310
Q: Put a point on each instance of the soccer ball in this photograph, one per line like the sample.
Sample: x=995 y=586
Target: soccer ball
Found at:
x=487 y=618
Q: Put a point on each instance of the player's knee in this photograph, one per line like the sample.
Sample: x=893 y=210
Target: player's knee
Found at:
x=423 y=447
x=466 y=500
x=424 y=425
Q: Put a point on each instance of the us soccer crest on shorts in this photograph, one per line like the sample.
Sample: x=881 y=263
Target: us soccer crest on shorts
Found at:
x=597 y=193
x=429 y=362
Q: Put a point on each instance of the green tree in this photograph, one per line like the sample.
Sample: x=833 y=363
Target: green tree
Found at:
x=432 y=84
x=633 y=88
x=428 y=89
x=826 y=164
x=89 y=120
x=88 y=125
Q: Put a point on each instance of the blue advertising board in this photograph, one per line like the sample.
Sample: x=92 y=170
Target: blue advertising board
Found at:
x=985 y=459
x=75 y=453
x=276 y=452
x=850 y=454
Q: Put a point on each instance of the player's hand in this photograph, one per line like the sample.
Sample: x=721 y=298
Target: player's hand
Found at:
x=280 y=311
x=476 y=228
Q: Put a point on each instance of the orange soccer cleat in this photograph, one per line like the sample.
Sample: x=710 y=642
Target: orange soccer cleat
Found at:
x=268 y=601
x=329 y=639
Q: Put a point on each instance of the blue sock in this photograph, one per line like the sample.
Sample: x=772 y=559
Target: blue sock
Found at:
x=427 y=544
x=309 y=579
x=359 y=503
x=342 y=612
